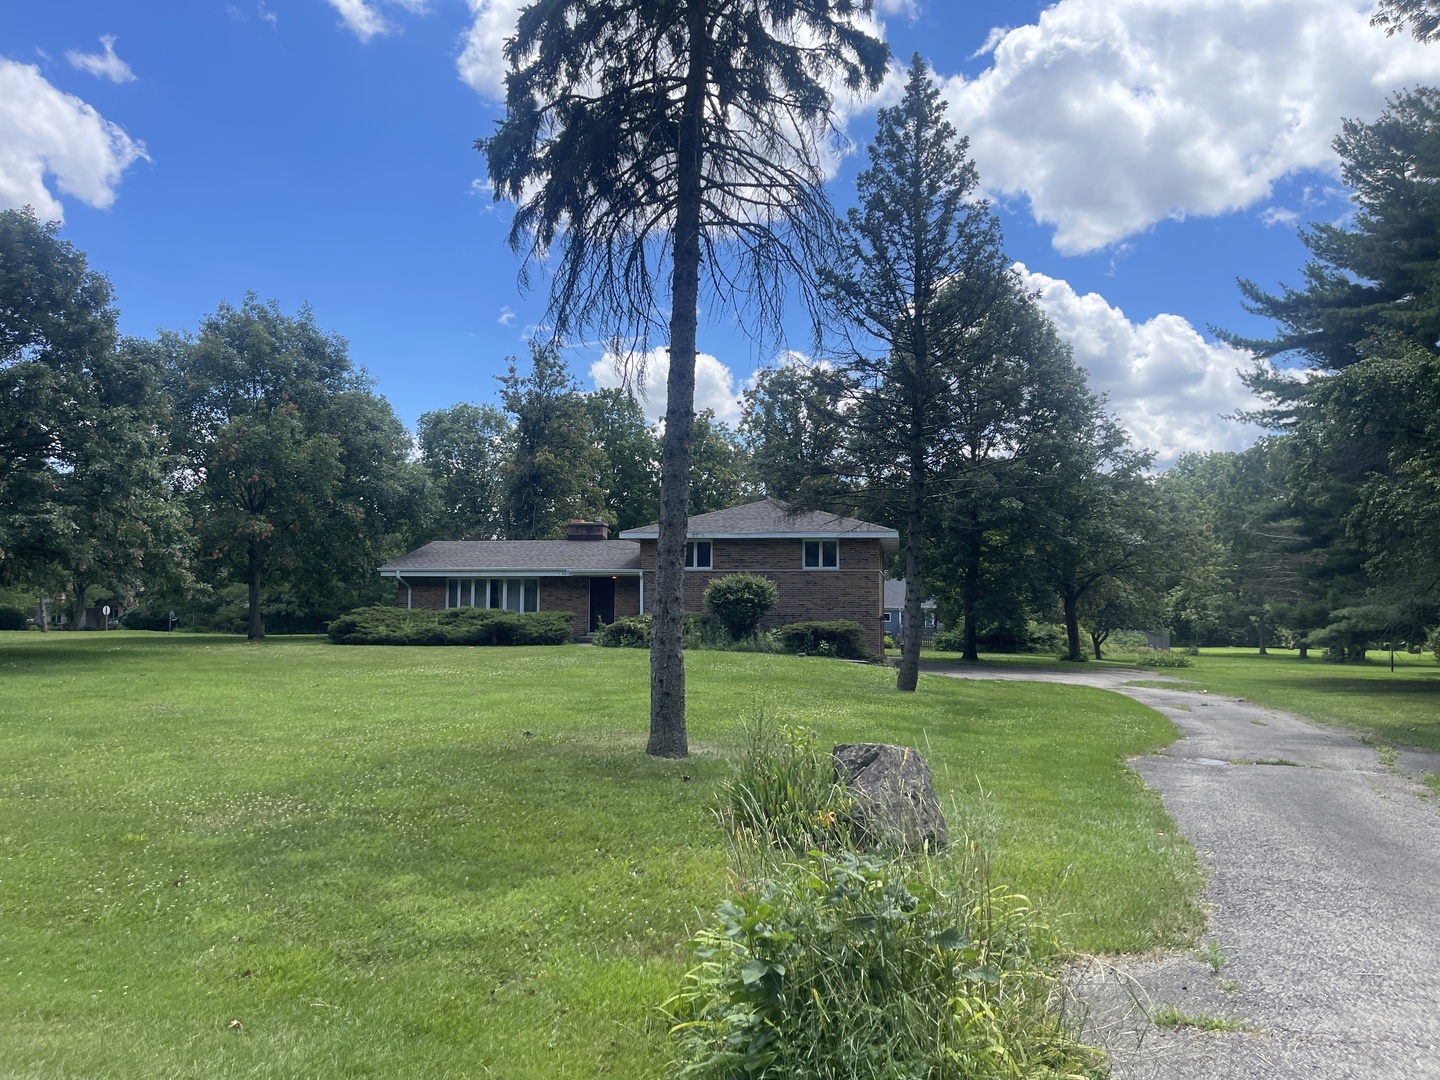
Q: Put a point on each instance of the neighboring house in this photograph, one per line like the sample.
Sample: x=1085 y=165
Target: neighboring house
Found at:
x=894 y=619
x=825 y=567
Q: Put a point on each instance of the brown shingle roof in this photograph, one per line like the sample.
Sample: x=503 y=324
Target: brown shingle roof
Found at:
x=770 y=517
x=553 y=556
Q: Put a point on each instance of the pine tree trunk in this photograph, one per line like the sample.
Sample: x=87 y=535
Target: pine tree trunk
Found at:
x=1261 y=630
x=80 y=622
x=972 y=588
x=42 y=614
x=257 y=620
x=668 y=737
x=1071 y=601
x=909 y=677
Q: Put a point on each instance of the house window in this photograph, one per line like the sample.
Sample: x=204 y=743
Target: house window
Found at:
x=887 y=616
x=513 y=594
x=698 y=555
x=822 y=554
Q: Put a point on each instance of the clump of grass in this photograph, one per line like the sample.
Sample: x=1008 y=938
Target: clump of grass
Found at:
x=1265 y=761
x=1211 y=953
x=856 y=966
x=1387 y=756
x=1172 y=1019
x=1230 y=986
x=785 y=794
x=1432 y=781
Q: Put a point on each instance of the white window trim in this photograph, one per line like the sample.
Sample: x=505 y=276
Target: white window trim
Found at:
x=822 y=541
x=694 y=545
x=482 y=584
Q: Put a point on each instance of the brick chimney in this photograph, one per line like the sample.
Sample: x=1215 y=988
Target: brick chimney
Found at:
x=577 y=529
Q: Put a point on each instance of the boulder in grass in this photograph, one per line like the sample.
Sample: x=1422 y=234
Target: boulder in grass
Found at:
x=894 y=797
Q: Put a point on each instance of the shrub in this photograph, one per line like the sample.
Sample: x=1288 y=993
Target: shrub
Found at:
x=1158 y=658
x=384 y=625
x=849 y=966
x=952 y=640
x=785 y=793
x=840 y=637
x=146 y=620
x=740 y=601
x=630 y=632
x=12 y=618
x=889 y=642
x=1433 y=644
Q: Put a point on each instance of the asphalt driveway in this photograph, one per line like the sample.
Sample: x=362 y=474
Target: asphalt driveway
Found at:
x=1324 y=889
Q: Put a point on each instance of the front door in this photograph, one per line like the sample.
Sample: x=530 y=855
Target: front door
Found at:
x=602 y=601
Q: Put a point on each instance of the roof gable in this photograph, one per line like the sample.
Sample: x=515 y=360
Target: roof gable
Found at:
x=772 y=518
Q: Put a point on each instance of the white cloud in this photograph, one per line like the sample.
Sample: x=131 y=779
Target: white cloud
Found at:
x=1168 y=385
x=1278 y=215
x=1112 y=115
x=482 y=63
x=44 y=131
x=363 y=20
x=714 y=383
x=103 y=65
x=507 y=317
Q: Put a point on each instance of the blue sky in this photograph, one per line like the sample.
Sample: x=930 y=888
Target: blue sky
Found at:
x=1142 y=155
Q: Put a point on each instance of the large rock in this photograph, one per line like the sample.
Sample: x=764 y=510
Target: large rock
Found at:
x=894 y=798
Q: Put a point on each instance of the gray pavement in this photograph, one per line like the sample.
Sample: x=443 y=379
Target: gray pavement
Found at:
x=1324 y=897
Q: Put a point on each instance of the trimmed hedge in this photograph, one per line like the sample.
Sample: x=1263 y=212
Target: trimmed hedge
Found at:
x=740 y=601
x=384 y=625
x=838 y=637
x=12 y=618
x=630 y=632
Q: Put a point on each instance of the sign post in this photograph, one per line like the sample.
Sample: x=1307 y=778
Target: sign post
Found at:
x=106 y=611
x=171 y=626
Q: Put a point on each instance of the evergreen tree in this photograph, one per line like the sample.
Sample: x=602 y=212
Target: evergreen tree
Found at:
x=555 y=472
x=920 y=271
x=654 y=142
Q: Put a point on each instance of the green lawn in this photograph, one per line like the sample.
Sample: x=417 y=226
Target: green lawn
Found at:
x=1399 y=708
x=433 y=862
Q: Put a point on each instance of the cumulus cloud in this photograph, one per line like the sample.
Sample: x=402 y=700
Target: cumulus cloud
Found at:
x=714 y=383
x=1111 y=115
x=45 y=132
x=366 y=21
x=103 y=65
x=482 y=63
x=1169 y=386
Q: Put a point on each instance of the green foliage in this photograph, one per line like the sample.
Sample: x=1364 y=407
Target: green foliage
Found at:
x=740 y=601
x=630 y=473
x=838 y=637
x=13 y=619
x=848 y=967
x=381 y=625
x=554 y=473
x=785 y=793
x=627 y=632
x=464 y=449
x=951 y=639
x=1433 y=644
x=1159 y=658
x=720 y=473
x=889 y=642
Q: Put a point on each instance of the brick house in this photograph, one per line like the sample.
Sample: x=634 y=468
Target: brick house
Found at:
x=825 y=567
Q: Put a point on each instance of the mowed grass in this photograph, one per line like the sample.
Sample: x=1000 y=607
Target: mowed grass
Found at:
x=1399 y=708
x=458 y=862
x=1395 y=708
